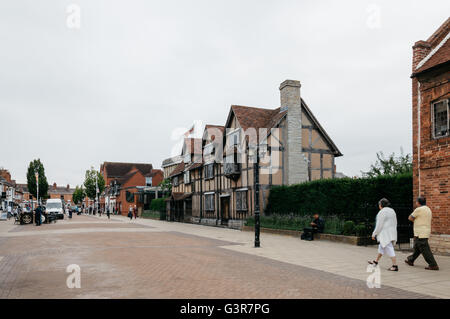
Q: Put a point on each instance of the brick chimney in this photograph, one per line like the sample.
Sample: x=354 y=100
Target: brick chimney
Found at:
x=295 y=164
x=68 y=186
x=54 y=185
x=420 y=51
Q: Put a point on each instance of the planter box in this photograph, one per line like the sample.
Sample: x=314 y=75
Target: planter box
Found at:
x=352 y=240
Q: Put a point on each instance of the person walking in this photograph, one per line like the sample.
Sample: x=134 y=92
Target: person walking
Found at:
x=135 y=212
x=385 y=233
x=107 y=212
x=130 y=213
x=9 y=211
x=421 y=217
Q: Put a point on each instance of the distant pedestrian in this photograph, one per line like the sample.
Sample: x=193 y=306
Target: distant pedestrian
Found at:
x=386 y=233
x=135 y=211
x=37 y=215
x=9 y=212
x=107 y=212
x=130 y=213
x=421 y=217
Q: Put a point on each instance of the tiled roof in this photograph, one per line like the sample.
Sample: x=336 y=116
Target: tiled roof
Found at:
x=22 y=187
x=440 y=57
x=170 y=161
x=154 y=173
x=253 y=116
x=122 y=180
x=117 y=169
x=439 y=49
x=178 y=170
x=219 y=127
x=266 y=118
x=60 y=190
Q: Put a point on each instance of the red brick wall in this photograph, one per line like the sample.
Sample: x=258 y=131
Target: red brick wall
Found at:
x=157 y=178
x=137 y=180
x=431 y=164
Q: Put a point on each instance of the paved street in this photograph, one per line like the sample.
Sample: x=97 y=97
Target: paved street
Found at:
x=156 y=259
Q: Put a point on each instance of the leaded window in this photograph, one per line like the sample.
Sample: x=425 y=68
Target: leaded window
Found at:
x=187 y=177
x=241 y=200
x=209 y=202
x=440 y=114
x=209 y=171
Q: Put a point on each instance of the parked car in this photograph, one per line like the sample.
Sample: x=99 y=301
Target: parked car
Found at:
x=56 y=207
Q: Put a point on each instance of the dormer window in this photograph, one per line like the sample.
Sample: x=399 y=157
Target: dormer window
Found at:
x=440 y=118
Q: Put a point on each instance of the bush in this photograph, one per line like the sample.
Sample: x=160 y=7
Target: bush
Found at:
x=349 y=228
x=158 y=205
x=349 y=198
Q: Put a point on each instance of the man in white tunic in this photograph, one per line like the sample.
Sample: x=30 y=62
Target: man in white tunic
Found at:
x=386 y=233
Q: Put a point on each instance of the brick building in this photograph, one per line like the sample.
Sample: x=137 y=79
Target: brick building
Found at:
x=126 y=185
x=215 y=182
x=431 y=131
x=61 y=192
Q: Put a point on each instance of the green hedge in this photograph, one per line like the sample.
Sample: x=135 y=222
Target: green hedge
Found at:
x=343 y=197
x=158 y=204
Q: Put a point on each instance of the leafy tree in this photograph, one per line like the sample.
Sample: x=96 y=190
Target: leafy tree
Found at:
x=166 y=186
x=391 y=165
x=90 y=185
x=78 y=195
x=37 y=166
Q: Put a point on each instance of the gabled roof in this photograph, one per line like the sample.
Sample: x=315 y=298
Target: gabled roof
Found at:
x=439 y=55
x=118 y=169
x=268 y=118
x=154 y=173
x=192 y=146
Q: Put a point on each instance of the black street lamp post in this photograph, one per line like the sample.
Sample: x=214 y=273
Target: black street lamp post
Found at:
x=256 y=191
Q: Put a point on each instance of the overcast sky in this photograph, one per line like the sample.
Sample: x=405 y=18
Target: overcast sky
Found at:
x=135 y=72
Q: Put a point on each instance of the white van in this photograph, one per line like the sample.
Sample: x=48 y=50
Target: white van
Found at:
x=55 y=206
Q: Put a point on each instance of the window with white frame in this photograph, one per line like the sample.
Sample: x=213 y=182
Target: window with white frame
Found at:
x=440 y=118
x=187 y=177
x=209 y=171
x=241 y=200
x=175 y=181
x=148 y=181
x=209 y=202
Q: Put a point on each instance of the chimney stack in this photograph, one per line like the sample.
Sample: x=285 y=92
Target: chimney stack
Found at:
x=295 y=164
x=420 y=51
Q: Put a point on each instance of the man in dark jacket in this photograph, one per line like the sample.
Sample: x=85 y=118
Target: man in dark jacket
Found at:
x=37 y=215
x=317 y=226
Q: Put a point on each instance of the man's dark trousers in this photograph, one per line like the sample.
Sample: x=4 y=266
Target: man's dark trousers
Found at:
x=37 y=216
x=421 y=246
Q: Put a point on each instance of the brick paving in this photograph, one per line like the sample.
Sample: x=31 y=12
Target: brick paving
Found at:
x=118 y=263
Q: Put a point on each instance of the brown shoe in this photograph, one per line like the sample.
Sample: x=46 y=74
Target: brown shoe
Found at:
x=409 y=262
x=432 y=268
